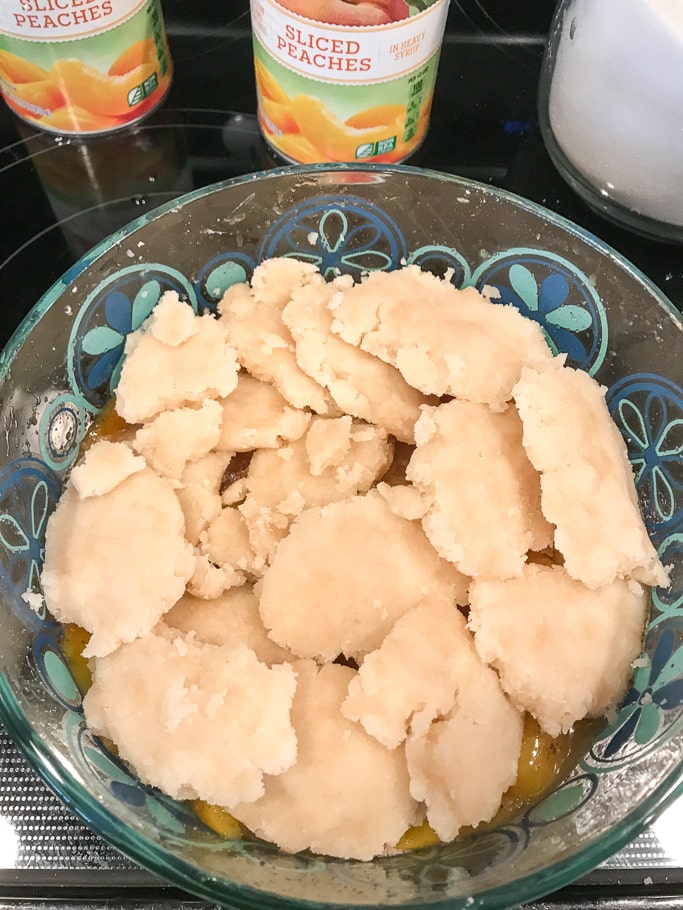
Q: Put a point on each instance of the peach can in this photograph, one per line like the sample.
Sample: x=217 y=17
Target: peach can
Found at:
x=80 y=67
x=339 y=80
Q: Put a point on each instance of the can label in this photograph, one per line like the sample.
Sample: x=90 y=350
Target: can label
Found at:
x=83 y=66
x=332 y=91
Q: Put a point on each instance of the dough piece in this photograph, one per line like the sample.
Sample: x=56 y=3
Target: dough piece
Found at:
x=105 y=465
x=360 y=384
x=256 y=416
x=442 y=340
x=253 y=320
x=179 y=435
x=587 y=483
x=466 y=761
x=413 y=677
x=116 y=563
x=563 y=651
x=267 y=527
x=196 y=720
x=320 y=467
x=209 y=581
x=189 y=359
x=485 y=498
x=230 y=620
x=282 y=483
x=226 y=541
x=347 y=795
x=275 y=280
x=404 y=500
x=235 y=493
x=199 y=494
x=345 y=573
x=328 y=442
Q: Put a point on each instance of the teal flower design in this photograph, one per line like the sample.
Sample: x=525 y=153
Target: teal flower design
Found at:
x=334 y=251
x=649 y=413
x=105 y=343
x=551 y=291
x=439 y=865
x=173 y=817
x=653 y=447
x=28 y=493
x=116 y=308
x=546 y=303
x=339 y=235
x=219 y=274
x=656 y=688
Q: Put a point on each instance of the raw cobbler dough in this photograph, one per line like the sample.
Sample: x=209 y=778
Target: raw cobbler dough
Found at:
x=339 y=473
x=346 y=795
x=443 y=341
x=563 y=651
x=335 y=586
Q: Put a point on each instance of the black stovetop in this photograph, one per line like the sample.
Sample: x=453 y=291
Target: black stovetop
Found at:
x=59 y=197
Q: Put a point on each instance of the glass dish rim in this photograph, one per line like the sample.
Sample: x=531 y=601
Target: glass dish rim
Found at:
x=169 y=865
x=46 y=300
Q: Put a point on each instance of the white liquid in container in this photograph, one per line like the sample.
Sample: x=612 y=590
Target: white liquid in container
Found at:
x=616 y=101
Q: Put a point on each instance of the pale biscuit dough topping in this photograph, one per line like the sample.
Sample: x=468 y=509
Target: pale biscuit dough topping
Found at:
x=335 y=586
x=320 y=468
x=346 y=795
x=484 y=496
x=311 y=565
x=116 y=562
x=198 y=720
x=586 y=482
x=174 y=360
x=517 y=624
x=264 y=346
x=359 y=383
x=443 y=341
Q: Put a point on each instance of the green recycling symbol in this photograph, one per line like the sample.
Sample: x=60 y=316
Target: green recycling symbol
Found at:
x=135 y=95
x=365 y=150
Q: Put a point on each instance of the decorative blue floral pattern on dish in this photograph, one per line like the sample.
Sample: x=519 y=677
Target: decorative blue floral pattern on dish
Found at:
x=555 y=293
x=442 y=260
x=29 y=491
x=115 y=308
x=219 y=274
x=54 y=670
x=174 y=818
x=667 y=603
x=656 y=690
x=435 y=864
x=648 y=410
x=563 y=801
x=339 y=235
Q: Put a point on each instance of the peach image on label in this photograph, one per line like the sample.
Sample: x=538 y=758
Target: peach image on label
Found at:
x=346 y=12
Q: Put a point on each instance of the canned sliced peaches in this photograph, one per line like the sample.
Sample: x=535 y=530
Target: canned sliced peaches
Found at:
x=343 y=81
x=102 y=80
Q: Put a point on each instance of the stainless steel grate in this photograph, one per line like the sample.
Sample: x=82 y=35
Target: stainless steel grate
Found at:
x=38 y=832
